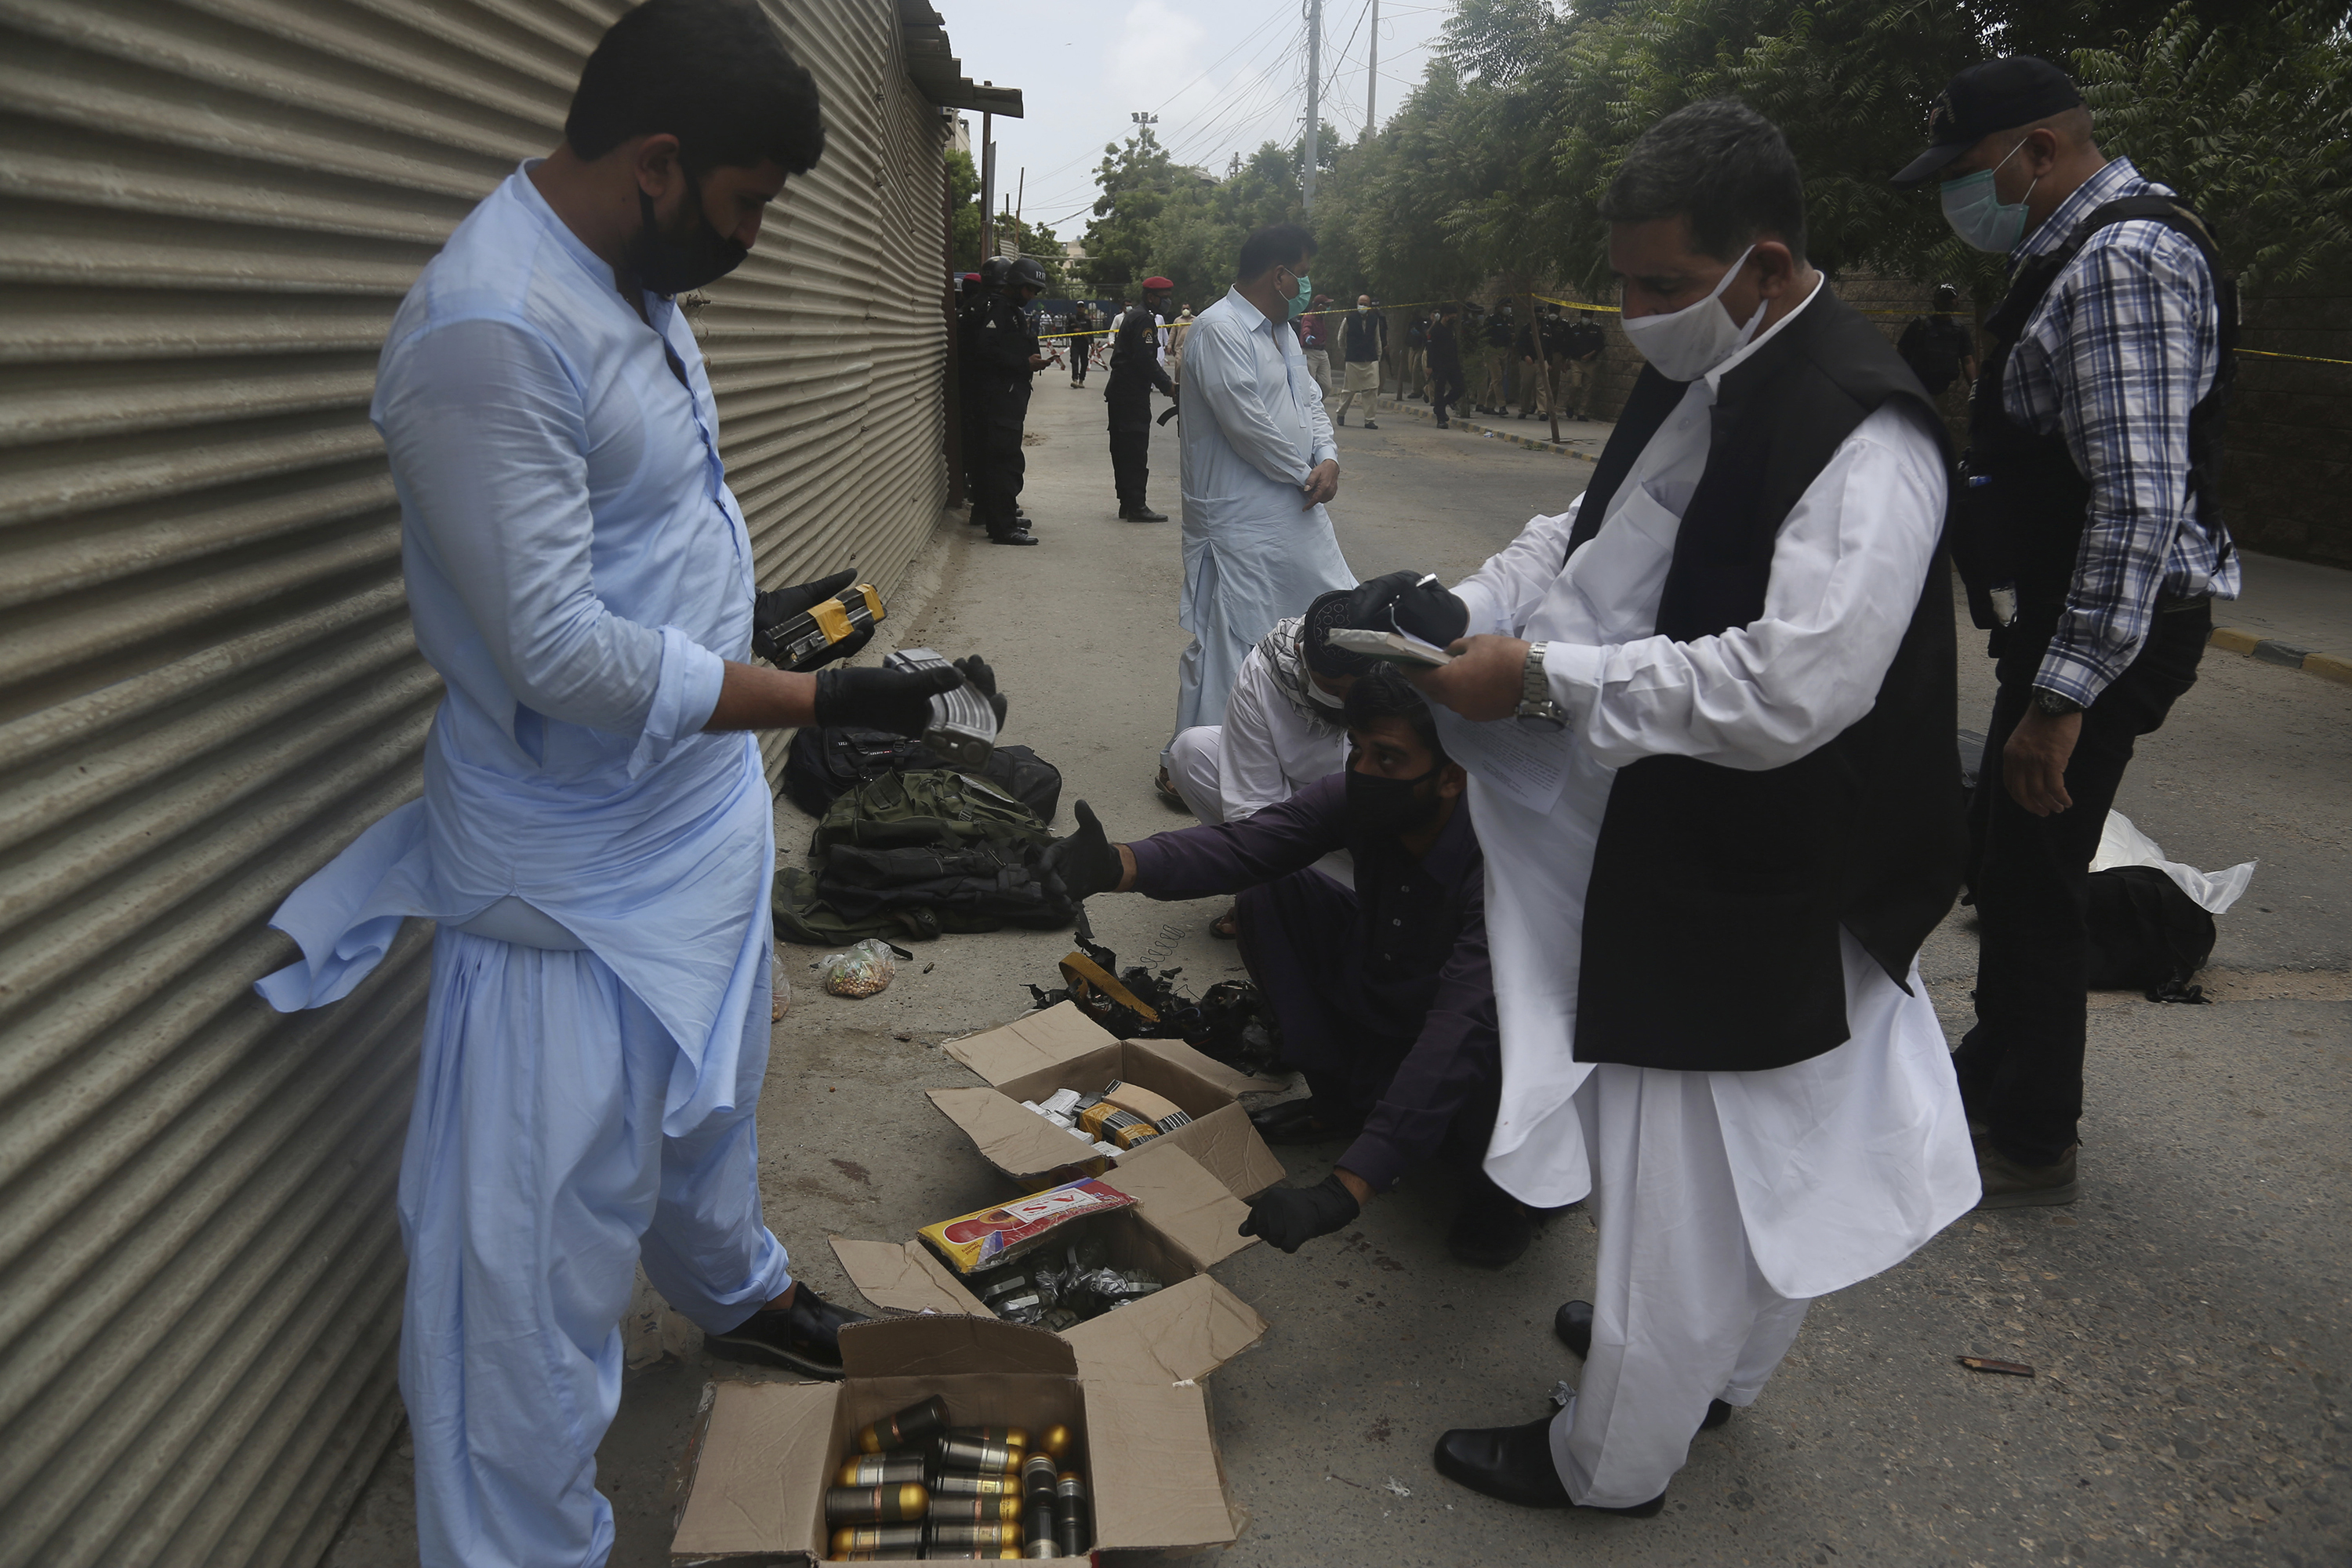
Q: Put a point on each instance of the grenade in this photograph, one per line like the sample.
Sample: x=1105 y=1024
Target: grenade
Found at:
x=969 y=1483
x=960 y=1453
x=1071 y=1529
x=876 y=1505
x=1057 y=1442
x=1011 y=1437
x=975 y=1509
x=1039 y=1477
x=1037 y=1529
x=915 y=1424
x=993 y=1536
x=882 y=1470
x=872 y=1541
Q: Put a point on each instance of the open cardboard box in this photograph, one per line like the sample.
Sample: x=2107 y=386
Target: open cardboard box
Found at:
x=1061 y=1048
x=1182 y=1221
x=763 y=1453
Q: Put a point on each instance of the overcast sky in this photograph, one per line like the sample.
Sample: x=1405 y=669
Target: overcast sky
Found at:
x=1222 y=75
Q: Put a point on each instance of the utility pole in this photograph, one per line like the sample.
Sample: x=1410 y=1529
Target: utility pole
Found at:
x=1373 y=74
x=1314 y=102
x=1020 y=197
x=987 y=182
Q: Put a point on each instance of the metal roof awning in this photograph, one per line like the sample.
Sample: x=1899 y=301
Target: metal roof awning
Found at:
x=931 y=62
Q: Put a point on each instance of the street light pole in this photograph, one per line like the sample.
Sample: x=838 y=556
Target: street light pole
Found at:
x=1314 y=102
x=1373 y=74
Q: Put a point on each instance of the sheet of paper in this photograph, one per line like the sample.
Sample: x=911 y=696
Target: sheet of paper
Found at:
x=1527 y=762
x=1397 y=647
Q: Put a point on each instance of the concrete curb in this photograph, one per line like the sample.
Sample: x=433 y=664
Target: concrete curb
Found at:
x=1386 y=405
x=2270 y=651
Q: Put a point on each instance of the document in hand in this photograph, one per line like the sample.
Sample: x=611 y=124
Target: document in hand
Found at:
x=1396 y=648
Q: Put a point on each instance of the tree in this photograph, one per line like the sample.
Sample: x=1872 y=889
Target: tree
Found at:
x=1136 y=180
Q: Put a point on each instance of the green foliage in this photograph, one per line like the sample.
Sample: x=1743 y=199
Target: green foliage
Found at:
x=1492 y=169
x=1034 y=239
x=2251 y=123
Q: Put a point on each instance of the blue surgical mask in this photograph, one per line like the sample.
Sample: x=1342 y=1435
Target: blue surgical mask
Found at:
x=1979 y=216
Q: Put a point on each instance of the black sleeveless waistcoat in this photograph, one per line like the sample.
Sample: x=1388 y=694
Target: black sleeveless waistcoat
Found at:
x=1711 y=921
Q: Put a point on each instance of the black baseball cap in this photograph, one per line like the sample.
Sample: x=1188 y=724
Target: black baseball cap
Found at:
x=1998 y=95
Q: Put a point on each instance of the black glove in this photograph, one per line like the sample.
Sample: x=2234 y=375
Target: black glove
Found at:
x=1086 y=862
x=772 y=608
x=1288 y=1218
x=897 y=700
x=984 y=680
x=1409 y=602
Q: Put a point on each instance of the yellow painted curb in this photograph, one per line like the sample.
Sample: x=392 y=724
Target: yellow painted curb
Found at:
x=2327 y=667
x=2232 y=639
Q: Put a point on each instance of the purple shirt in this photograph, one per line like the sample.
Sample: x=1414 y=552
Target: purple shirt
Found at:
x=1416 y=952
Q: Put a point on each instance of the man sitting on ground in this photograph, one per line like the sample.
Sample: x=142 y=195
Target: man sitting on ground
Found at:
x=1384 y=995
x=1282 y=728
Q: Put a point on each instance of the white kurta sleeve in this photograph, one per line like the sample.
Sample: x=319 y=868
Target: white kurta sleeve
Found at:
x=1222 y=380
x=483 y=426
x=1503 y=594
x=1846 y=575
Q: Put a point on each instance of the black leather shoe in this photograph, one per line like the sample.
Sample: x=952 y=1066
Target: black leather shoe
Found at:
x=1514 y=1463
x=1573 y=1325
x=1297 y=1121
x=1143 y=514
x=1490 y=1231
x=804 y=1336
x=1018 y=536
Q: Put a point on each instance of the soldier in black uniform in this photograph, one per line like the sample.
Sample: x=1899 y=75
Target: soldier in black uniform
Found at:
x=972 y=295
x=1135 y=370
x=1004 y=357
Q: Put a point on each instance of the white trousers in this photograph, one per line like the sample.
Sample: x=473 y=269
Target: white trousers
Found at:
x=1681 y=1314
x=534 y=1179
x=1194 y=757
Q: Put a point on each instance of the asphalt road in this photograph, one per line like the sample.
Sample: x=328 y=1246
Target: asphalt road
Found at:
x=2187 y=1319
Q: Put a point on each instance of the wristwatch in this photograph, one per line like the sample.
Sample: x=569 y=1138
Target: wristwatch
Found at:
x=2055 y=705
x=1536 y=705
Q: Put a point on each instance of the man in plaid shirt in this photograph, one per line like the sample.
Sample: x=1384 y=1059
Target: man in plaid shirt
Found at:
x=2087 y=529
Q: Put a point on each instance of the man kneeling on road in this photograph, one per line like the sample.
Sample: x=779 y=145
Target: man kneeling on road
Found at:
x=1384 y=995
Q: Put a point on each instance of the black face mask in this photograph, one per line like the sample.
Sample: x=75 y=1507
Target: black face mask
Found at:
x=1387 y=808
x=670 y=266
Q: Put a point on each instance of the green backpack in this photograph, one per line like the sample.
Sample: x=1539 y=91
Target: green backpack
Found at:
x=911 y=855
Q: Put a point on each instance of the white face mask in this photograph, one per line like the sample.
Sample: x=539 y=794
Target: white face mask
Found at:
x=1686 y=344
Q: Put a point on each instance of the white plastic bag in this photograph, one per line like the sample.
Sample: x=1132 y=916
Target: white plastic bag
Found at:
x=782 y=992
x=860 y=971
x=2121 y=843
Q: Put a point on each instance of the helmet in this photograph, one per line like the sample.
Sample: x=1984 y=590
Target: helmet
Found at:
x=992 y=272
x=1027 y=273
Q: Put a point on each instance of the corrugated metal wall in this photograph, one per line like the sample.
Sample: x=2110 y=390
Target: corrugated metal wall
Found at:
x=208 y=211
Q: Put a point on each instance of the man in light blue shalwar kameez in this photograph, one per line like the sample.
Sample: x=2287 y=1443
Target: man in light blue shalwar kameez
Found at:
x=1259 y=463
x=594 y=837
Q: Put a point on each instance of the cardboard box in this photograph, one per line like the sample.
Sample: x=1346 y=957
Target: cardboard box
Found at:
x=762 y=1452
x=1183 y=1222
x=1061 y=1048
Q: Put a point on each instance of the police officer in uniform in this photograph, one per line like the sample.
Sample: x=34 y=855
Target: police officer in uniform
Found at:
x=1135 y=370
x=972 y=296
x=1005 y=358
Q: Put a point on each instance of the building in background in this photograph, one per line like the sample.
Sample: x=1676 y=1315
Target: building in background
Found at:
x=208 y=684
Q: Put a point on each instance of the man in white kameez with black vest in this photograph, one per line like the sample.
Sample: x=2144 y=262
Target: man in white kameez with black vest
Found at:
x=1711 y=708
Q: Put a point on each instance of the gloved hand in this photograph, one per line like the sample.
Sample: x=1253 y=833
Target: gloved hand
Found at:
x=1086 y=862
x=772 y=608
x=897 y=700
x=983 y=680
x=1413 y=603
x=1289 y=1217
